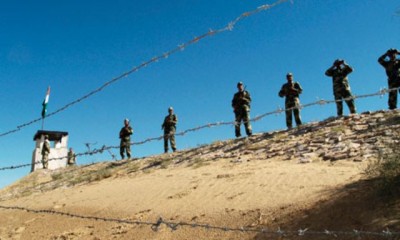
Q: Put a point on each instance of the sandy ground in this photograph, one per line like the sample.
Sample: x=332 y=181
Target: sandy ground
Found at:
x=213 y=191
x=256 y=194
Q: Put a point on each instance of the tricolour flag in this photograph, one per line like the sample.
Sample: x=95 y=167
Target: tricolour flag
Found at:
x=45 y=101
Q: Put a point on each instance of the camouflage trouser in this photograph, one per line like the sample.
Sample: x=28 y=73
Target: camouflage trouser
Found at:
x=395 y=83
x=45 y=160
x=343 y=94
x=242 y=115
x=171 y=136
x=290 y=104
x=125 y=145
x=71 y=161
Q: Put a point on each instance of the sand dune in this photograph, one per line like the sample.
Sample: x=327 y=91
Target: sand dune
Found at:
x=272 y=180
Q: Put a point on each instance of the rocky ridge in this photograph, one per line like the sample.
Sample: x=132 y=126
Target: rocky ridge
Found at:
x=307 y=177
x=352 y=138
x=355 y=138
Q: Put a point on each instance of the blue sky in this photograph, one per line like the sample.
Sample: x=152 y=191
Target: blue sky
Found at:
x=76 y=46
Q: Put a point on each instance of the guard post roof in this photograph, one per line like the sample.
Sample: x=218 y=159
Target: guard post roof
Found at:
x=53 y=135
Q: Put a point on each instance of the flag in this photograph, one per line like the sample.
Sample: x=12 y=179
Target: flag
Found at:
x=45 y=101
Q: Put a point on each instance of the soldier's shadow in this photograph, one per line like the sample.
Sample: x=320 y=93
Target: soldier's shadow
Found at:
x=356 y=206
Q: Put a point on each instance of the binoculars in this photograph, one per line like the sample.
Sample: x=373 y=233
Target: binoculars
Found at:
x=393 y=51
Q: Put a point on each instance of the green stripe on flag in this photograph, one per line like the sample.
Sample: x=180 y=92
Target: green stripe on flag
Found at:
x=45 y=102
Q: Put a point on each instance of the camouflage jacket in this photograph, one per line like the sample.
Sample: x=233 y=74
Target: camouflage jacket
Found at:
x=71 y=157
x=170 y=122
x=241 y=100
x=290 y=91
x=339 y=76
x=125 y=133
x=46 y=147
x=392 y=67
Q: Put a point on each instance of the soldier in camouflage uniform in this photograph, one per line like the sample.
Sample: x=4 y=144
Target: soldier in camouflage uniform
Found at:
x=71 y=157
x=45 y=152
x=291 y=90
x=169 y=127
x=125 y=136
x=341 y=87
x=392 y=67
x=241 y=107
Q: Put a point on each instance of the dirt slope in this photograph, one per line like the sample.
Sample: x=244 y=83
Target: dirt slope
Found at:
x=309 y=178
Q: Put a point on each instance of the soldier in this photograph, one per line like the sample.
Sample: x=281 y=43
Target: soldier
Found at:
x=45 y=152
x=341 y=87
x=169 y=127
x=392 y=67
x=71 y=157
x=291 y=90
x=125 y=136
x=241 y=107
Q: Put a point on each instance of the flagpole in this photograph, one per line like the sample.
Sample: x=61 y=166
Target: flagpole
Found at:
x=42 y=123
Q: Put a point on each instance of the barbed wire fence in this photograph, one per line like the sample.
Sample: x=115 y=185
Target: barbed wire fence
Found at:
x=174 y=226
x=105 y=148
x=229 y=27
x=155 y=226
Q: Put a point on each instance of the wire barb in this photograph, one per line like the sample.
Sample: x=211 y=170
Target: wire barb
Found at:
x=183 y=133
x=387 y=232
x=302 y=232
x=135 y=69
x=155 y=226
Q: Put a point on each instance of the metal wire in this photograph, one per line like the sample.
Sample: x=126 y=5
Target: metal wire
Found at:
x=180 y=47
x=321 y=102
x=155 y=226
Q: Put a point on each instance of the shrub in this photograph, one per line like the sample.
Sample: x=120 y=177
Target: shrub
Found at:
x=56 y=176
x=165 y=163
x=101 y=174
x=78 y=180
x=134 y=167
x=197 y=163
x=386 y=170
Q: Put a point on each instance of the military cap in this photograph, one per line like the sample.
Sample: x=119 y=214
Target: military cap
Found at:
x=126 y=120
x=170 y=109
x=289 y=74
x=239 y=83
x=392 y=51
x=338 y=61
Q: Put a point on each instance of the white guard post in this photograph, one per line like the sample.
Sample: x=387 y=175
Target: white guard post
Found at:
x=58 y=149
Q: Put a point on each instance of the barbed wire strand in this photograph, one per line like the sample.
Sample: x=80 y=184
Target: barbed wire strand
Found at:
x=321 y=102
x=180 y=47
x=155 y=226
